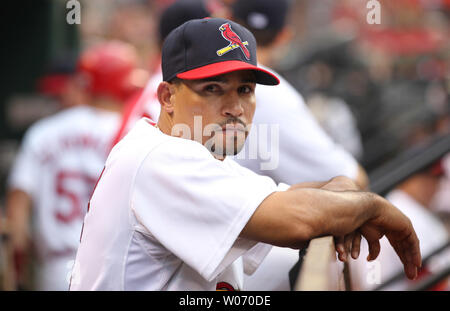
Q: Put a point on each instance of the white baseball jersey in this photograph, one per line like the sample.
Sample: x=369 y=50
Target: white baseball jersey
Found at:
x=287 y=144
x=166 y=215
x=60 y=160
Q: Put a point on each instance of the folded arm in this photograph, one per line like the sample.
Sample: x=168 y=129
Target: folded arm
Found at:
x=306 y=211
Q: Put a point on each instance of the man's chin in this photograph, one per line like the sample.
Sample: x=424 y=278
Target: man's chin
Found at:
x=228 y=151
x=227 y=146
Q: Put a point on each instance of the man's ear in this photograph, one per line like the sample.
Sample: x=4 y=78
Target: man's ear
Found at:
x=165 y=92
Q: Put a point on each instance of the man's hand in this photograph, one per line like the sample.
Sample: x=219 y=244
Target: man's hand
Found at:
x=340 y=183
x=389 y=221
x=398 y=229
x=305 y=211
x=350 y=243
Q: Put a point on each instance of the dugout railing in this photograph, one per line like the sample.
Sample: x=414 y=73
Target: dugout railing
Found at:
x=320 y=270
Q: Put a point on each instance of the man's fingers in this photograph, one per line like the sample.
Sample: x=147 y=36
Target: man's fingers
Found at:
x=411 y=248
x=348 y=239
x=410 y=262
x=374 y=249
x=408 y=251
x=411 y=271
x=414 y=250
x=356 y=245
x=340 y=248
x=348 y=245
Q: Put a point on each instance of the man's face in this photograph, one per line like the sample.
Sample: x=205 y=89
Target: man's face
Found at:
x=217 y=110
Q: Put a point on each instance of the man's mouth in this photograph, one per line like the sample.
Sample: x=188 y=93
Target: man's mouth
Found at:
x=233 y=128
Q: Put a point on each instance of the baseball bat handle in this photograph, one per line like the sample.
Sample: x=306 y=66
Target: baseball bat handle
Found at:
x=229 y=48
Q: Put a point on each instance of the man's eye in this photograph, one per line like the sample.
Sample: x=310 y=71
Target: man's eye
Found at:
x=245 y=89
x=211 y=88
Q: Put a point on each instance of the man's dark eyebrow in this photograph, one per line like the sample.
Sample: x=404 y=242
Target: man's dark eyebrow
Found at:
x=213 y=79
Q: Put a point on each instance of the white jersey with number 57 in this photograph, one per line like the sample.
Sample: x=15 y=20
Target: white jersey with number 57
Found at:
x=60 y=160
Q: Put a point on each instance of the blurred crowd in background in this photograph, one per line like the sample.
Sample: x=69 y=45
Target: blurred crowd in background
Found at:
x=377 y=89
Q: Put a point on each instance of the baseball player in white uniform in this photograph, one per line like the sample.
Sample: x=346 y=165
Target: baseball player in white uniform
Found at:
x=172 y=212
x=60 y=160
x=301 y=151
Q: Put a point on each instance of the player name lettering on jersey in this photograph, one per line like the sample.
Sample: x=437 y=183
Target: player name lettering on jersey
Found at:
x=67 y=143
x=83 y=141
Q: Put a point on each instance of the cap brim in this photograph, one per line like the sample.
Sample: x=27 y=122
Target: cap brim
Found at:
x=262 y=76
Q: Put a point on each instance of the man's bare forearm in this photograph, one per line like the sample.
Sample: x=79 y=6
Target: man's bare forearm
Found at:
x=293 y=217
x=337 y=213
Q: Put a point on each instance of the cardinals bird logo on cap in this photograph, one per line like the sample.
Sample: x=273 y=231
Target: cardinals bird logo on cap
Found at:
x=235 y=41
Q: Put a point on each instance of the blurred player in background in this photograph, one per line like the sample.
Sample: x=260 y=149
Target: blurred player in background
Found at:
x=60 y=160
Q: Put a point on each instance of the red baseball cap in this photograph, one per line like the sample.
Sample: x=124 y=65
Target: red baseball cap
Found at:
x=108 y=68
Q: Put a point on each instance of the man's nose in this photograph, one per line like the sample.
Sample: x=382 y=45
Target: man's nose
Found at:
x=233 y=106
